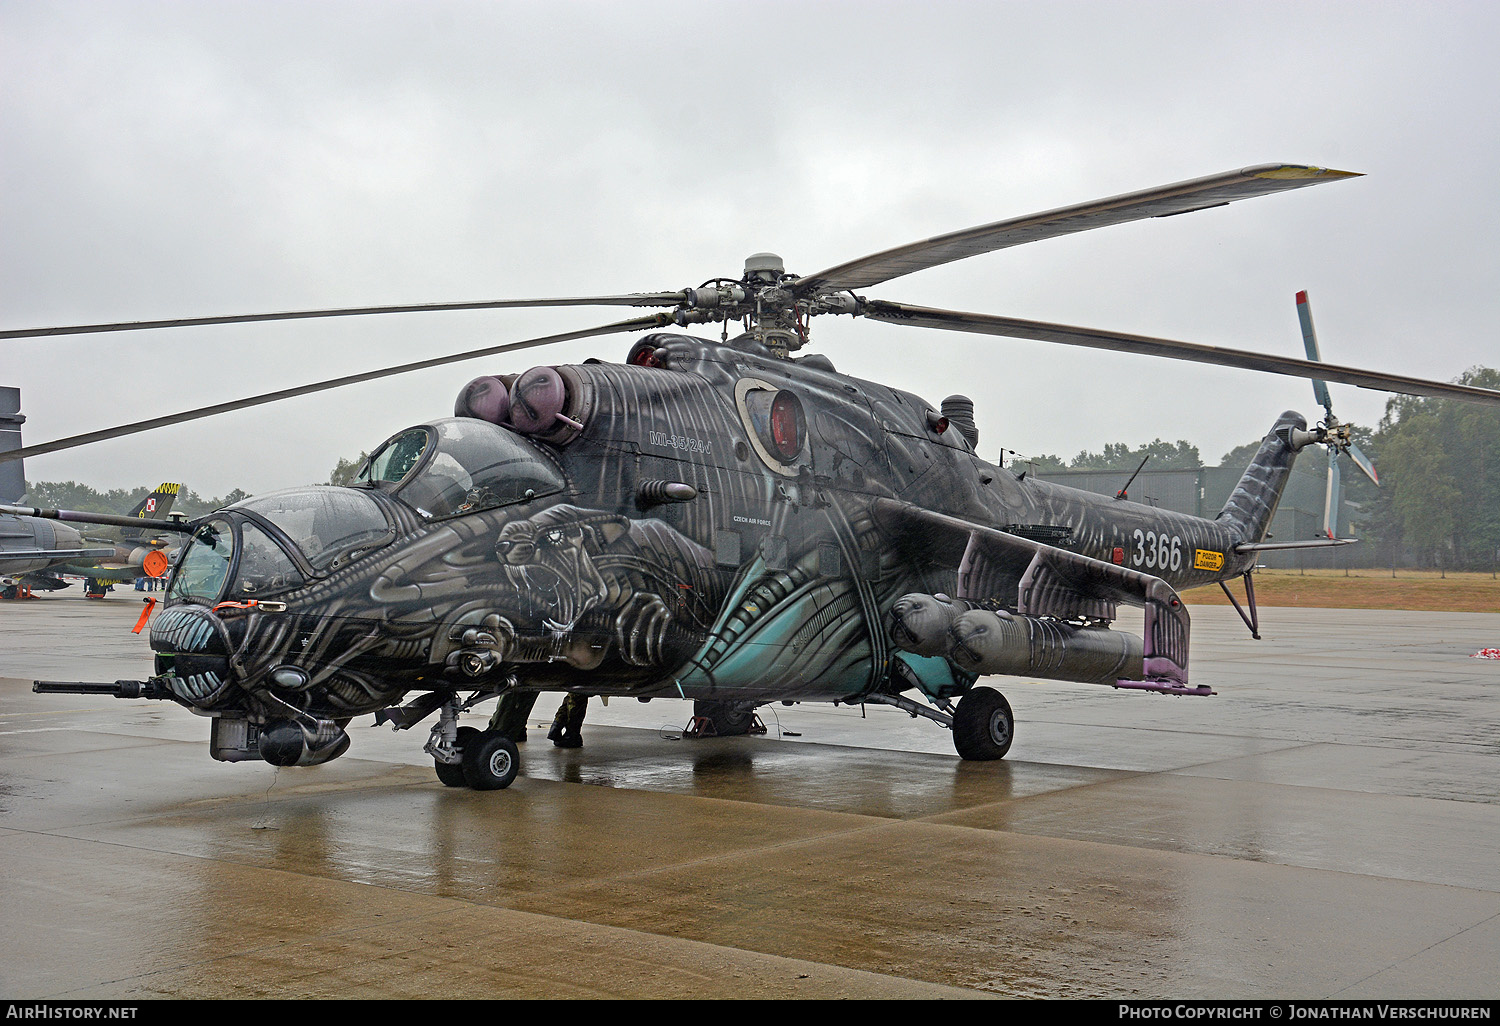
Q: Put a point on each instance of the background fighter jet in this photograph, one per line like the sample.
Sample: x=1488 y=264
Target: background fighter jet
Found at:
x=36 y=554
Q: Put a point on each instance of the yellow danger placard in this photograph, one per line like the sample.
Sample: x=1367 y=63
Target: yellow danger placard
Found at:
x=1203 y=559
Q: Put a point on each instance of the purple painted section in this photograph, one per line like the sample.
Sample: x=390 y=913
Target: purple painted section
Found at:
x=1165 y=636
x=486 y=398
x=536 y=399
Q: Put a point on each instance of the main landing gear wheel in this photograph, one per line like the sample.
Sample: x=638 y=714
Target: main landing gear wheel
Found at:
x=452 y=773
x=490 y=762
x=983 y=725
x=728 y=719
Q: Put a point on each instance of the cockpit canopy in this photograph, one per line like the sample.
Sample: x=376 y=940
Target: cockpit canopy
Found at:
x=460 y=465
x=329 y=526
x=234 y=556
x=271 y=544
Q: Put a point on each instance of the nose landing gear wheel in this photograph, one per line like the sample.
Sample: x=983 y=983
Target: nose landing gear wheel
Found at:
x=490 y=762
x=452 y=773
x=983 y=725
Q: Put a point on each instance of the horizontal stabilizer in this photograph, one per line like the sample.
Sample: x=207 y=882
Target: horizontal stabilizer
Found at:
x=1311 y=543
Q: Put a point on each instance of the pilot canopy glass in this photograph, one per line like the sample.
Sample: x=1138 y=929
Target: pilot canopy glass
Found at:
x=459 y=466
x=330 y=526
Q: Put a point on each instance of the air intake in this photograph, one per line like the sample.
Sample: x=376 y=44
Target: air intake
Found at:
x=959 y=409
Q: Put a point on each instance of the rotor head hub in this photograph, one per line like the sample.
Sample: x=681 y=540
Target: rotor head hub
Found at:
x=764 y=266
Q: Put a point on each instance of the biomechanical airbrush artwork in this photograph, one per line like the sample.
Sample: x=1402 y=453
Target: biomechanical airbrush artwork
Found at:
x=717 y=520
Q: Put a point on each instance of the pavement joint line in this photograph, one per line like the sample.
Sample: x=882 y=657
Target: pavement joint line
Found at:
x=460 y=903
x=1415 y=954
x=1115 y=776
x=872 y=827
x=876 y=824
x=351 y=931
x=1378 y=741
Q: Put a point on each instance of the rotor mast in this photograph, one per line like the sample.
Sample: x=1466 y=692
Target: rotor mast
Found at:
x=767 y=299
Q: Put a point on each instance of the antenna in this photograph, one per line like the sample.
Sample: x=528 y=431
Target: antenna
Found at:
x=1124 y=492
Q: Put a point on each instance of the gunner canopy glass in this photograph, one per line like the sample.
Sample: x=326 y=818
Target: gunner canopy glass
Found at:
x=461 y=465
x=204 y=564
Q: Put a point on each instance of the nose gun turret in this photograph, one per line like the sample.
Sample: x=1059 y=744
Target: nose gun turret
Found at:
x=119 y=689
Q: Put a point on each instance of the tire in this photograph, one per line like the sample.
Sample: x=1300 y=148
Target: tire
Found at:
x=452 y=773
x=490 y=762
x=728 y=719
x=983 y=725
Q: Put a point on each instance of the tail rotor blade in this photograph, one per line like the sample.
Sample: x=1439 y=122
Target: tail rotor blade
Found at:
x=1332 y=498
x=1320 y=390
x=1363 y=463
x=1310 y=343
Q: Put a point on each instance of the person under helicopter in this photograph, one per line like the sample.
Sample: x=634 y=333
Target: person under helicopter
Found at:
x=509 y=718
x=567 y=725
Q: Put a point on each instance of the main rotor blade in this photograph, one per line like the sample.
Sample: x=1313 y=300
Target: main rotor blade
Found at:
x=634 y=299
x=635 y=324
x=1011 y=327
x=1164 y=201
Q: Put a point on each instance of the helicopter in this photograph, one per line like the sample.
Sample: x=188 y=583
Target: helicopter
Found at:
x=716 y=520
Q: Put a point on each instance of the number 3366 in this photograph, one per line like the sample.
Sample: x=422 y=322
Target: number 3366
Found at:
x=1158 y=551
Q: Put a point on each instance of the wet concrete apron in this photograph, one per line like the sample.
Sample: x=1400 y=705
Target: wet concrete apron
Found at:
x=1326 y=826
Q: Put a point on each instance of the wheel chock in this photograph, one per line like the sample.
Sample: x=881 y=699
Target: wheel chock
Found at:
x=700 y=726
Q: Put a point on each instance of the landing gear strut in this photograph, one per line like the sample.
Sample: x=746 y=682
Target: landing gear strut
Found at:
x=452 y=773
x=982 y=723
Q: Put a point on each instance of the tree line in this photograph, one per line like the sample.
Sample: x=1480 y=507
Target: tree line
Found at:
x=1438 y=501
x=72 y=495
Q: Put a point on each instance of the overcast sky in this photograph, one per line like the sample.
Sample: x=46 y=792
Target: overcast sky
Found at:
x=181 y=159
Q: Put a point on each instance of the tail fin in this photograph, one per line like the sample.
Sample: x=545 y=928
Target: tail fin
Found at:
x=153 y=507
x=1254 y=500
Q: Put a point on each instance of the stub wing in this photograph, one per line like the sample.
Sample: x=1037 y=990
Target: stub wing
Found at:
x=1029 y=608
x=56 y=555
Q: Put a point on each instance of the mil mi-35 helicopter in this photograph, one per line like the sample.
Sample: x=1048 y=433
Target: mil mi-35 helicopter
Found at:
x=713 y=520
